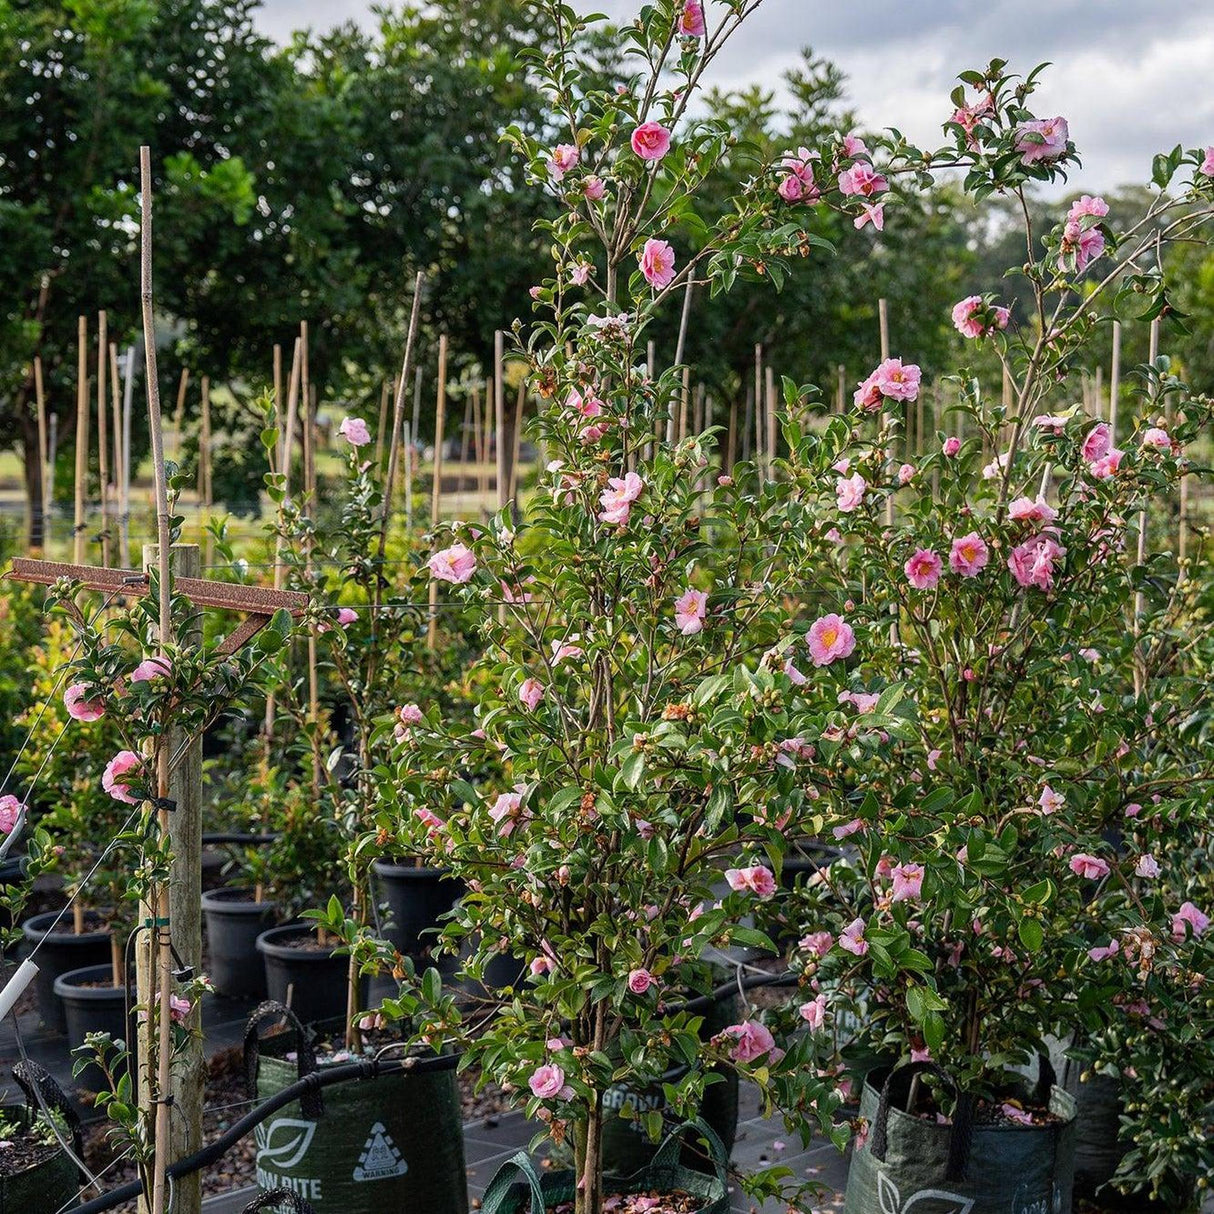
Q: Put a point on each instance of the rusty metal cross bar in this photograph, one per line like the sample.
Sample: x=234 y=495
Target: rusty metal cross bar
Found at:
x=257 y=602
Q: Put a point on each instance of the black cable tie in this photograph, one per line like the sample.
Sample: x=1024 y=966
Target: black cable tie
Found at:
x=166 y=803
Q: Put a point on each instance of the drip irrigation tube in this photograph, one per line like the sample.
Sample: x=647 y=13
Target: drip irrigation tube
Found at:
x=367 y=1068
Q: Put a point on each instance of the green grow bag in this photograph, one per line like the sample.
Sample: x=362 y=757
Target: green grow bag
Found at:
x=53 y=1183
x=518 y=1188
x=911 y=1166
x=626 y=1145
x=394 y=1143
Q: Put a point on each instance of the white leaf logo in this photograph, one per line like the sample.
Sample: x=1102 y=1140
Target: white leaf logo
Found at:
x=284 y=1142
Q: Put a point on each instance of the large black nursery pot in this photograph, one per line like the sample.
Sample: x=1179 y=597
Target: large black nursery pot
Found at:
x=910 y=1165
x=627 y=1147
x=416 y=899
x=46 y=1181
x=59 y=952
x=520 y=1188
x=234 y=921
x=308 y=978
x=92 y=1004
x=804 y=860
x=390 y=1143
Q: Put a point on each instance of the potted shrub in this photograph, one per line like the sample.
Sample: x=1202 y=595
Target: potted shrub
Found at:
x=996 y=617
x=632 y=708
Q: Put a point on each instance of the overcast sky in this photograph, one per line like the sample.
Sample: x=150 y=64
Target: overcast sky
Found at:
x=1131 y=76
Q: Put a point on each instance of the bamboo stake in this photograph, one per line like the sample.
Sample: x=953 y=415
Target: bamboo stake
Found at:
x=773 y=437
x=759 y=412
x=183 y=385
x=309 y=493
x=164 y=636
x=385 y=393
x=519 y=405
x=124 y=493
x=103 y=463
x=52 y=452
x=116 y=430
x=671 y=430
x=82 y=438
x=1115 y=382
x=398 y=415
x=204 y=470
x=43 y=462
x=499 y=417
x=1139 y=656
x=436 y=494
x=481 y=438
x=277 y=399
x=746 y=422
x=684 y=401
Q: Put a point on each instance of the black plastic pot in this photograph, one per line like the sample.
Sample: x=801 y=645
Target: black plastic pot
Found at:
x=234 y=921
x=416 y=899
x=50 y=1183
x=60 y=952
x=94 y=1009
x=312 y=982
x=390 y=1143
x=803 y=860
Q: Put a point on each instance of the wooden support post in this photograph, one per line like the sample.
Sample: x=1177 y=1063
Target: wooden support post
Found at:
x=124 y=488
x=731 y=438
x=82 y=438
x=684 y=401
x=185 y=911
x=499 y=418
x=45 y=478
x=480 y=440
x=759 y=413
x=436 y=493
x=386 y=392
x=747 y=419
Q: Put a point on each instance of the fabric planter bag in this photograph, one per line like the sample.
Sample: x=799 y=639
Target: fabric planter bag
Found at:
x=912 y=1166
x=391 y=1143
x=519 y=1188
x=279 y=1201
x=51 y=1184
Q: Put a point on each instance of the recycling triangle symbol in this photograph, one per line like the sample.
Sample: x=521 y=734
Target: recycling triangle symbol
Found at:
x=379 y=1159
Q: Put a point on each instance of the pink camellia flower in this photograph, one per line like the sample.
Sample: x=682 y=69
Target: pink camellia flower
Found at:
x=651 y=141
x=618 y=497
x=863 y=180
x=1079 y=245
x=907 y=883
x=580 y=274
x=868 y=393
x=898 y=380
x=1098 y=443
x=657 y=263
x=595 y=189
x=852 y=938
x=563 y=650
x=456 y=564
x=1086 y=205
x=507 y=812
x=354 y=431
x=906 y=474
x=346 y=616
x=1147 y=867
x=1207 y=165
x=1107 y=466
x=179 y=1008
x=1050 y=801
x=639 y=981
x=119 y=765
x=751 y=1041
x=814 y=1012
x=1025 y=510
x=757 y=880
x=531 y=693
x=830 y=637
x=1042 y=140
x=1015 y=1114
x=548 y=1083
x=817 y=944
x=1104 y=952
x=952 y=445
x=1092 y=867
x=923 y=568
x=969 y=555
x=410 y=714
x=429 y=819
x=79 y=708
x=973 y=317
x=1032 y=563
x=1161 y=440
x=691 y=19
x=689 y=609
x=151 y=668
x=798 y=183
x=870 y=214
x=561 y=159
x=848 y=828
x=10 y=813
x=1189 y=915
x=854 y=146
x=849 y=491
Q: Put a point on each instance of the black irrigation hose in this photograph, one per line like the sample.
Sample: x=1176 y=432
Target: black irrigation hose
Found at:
x=221 y=838
x=367 y=1068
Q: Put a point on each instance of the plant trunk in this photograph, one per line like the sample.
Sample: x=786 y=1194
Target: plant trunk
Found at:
x=33 y=476
x=589 y=1159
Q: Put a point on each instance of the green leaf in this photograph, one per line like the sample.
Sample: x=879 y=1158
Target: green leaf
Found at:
x=1031 y=934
